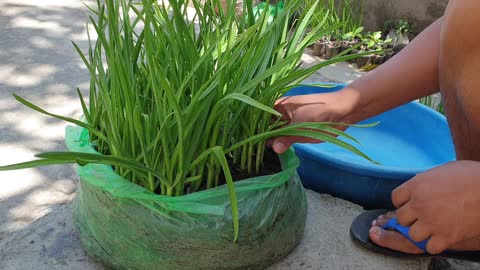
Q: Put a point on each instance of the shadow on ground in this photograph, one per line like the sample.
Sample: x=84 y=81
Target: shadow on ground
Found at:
x=37 y=62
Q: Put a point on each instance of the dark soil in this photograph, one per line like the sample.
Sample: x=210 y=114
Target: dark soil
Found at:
x=271 y=165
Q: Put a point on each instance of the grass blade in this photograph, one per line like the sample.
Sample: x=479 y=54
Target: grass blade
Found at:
x=250 y=101
x=73 y=121
x=231 y=189
x=85 y=158
x=33 y=164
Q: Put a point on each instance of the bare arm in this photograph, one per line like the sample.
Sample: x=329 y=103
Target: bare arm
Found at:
x=411 y=74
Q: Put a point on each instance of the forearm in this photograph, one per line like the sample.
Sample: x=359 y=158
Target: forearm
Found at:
x=410 y=75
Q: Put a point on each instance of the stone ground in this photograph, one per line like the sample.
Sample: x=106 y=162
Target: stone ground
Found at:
x=37 y=61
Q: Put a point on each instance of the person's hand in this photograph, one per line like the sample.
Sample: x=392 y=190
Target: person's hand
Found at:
x=442 y=204
x=327 y=107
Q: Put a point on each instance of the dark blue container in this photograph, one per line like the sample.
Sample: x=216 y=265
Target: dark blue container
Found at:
x=409 y=140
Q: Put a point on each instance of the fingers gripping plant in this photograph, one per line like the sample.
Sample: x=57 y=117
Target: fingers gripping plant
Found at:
x=174 y=103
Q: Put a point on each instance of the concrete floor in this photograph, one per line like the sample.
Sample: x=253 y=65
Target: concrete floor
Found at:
x=37 y=61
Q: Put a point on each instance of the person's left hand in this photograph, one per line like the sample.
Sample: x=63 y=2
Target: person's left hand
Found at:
x=442 y=204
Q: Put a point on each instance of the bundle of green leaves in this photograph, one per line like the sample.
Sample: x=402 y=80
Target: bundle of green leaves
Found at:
x=174 y=103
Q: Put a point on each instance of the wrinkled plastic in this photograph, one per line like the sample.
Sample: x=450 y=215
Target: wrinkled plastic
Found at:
x=128 y=227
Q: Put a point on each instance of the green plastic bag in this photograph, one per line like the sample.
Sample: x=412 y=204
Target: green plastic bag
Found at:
x=128 y=227
x=272 y=12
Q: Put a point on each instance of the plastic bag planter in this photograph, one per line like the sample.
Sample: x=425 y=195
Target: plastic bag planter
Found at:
x=128 y=227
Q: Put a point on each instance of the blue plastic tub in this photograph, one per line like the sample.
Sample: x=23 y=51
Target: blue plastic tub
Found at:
x=409 y=139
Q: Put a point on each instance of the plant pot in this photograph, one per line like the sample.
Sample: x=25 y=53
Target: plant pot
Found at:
x=128 y=227
x=344 y=47
x=377 y=59
x=399 y=41
x=354 y=60
x=350 y=44
x=331 y=50
x=364 y=60
x=388 y=54
x=319 y=48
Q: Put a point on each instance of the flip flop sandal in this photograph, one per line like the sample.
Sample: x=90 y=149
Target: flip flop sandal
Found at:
x=360 y=228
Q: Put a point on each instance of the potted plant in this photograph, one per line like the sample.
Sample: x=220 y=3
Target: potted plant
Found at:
x=373 y=43
x=319 y=47
x=388 y=52
x=332 y=48
x=327 y=47
x=398 y=31
x=365 y=46
x=327 y=16
x=350 y=39
x=174 y=173
x=319 y=18
x=351 y=42
x=339 y=17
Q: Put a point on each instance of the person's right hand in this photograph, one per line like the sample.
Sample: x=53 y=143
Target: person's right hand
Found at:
x=334 y=107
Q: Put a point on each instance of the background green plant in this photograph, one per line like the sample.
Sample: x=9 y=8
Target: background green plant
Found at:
x=400 y=26
x=347 y=14
x=434 y=103
x=353 y=35
x=174 y=103
x=374 y=41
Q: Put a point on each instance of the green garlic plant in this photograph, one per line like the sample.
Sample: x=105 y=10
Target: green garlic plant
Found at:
x=175 y=103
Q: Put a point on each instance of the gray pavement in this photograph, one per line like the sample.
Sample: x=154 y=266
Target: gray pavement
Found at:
x=37 y=61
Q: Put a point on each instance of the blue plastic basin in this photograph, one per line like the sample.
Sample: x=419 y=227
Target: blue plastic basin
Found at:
x=409 y=139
